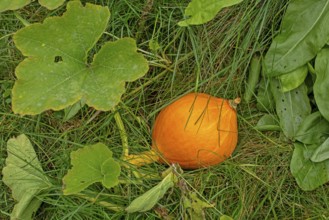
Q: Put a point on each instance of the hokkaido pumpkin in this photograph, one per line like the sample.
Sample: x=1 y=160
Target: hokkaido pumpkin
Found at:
x=195 y=131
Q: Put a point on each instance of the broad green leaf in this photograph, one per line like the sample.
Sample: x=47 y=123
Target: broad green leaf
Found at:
x=309 y=175
x=202 y=11
x=291 y=107
x=91 y=164
x=268 y=123
x=293 y=79
x=150 y=198
x=321 y=84
x=313 y=130
x=304 y=31
x=265 y=100
x=16 y=4
x=322 y=152
x=51 y=4
x=56 y=72
x=23 y=174
x=12 y=4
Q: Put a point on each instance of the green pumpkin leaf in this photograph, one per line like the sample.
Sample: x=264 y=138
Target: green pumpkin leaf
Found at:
x=313 y=130
x=322 y=152
x=309 y=175
x=150 y=198
x=268 y=123
x=56 y=72
x=293 y=79
x=291 y=107
x=51 y=4
x=202 y=11
x=304 y=31
x=17 y=4
x=321 y=84
x=12 y=4
x=23 y=174
x=91 y=164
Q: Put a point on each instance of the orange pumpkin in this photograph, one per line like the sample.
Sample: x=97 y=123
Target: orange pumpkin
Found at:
x=195 y=131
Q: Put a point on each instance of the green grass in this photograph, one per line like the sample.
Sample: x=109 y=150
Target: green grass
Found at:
x=255 y=183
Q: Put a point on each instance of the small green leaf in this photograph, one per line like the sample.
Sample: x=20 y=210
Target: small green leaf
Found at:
x=309 y=175
x=154 y=45
x=195 y=206
x=293 y=79
x=301 y=38
x=313 y=130
x=72 y=110
x=150 y=198
x=321 y=84
x=253 y=77
x=51 y=4
x=17 y=4
x=12 y=4
x=265 y=100
x=56 y=72
x=268 y=123
x=225 y=217
x=322 y=152
x=291 y=107
x=202 y=11
x=23 y=174
x=91 y=164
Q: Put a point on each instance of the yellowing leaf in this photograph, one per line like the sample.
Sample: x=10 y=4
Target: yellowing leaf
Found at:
x=91 y=164
x=56 y=72
x=23 y=174
x=202 y=11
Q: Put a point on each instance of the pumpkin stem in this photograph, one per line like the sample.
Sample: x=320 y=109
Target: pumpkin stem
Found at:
x=234 y=103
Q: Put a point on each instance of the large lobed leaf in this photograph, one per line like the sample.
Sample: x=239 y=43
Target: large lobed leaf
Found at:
x=56 y=72
x=91 y=164
x=23 y=174
x=304 y=32
x=202 y=11
x=321 y=84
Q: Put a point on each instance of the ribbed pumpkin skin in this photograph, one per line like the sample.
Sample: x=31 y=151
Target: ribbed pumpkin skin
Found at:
x=195 y=131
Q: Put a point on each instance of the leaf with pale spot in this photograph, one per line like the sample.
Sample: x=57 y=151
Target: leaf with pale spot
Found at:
x=91 y=164
x=56 y=72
